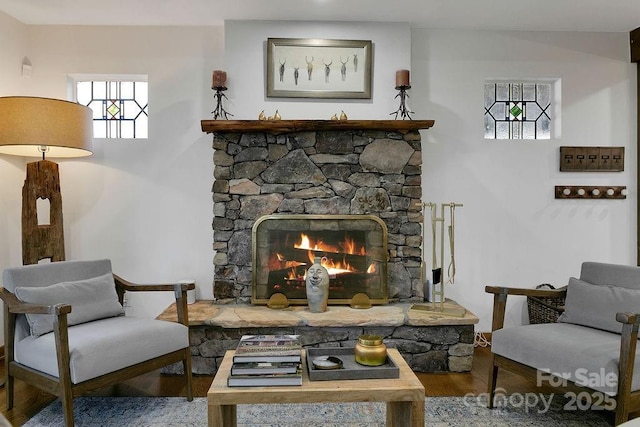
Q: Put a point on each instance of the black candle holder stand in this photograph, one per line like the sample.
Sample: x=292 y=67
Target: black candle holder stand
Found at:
x=402 y=110
x=220 y=111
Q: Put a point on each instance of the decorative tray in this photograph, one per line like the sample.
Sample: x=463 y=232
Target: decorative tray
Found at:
x=350 y=370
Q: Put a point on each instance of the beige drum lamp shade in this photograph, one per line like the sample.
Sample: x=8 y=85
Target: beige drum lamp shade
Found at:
x=31 y=126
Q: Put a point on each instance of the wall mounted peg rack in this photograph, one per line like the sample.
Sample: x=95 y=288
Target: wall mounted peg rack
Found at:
x=590 y=192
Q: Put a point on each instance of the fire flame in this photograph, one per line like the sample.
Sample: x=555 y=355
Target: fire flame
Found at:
x=285 y=263
x=348 y=246
x=373 y=268
x=334 y=267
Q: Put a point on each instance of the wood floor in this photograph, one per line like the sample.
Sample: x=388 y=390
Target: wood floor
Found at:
x=30 y=400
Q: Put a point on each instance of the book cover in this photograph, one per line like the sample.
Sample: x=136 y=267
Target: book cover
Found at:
x=265 y=368
x=264 y=380
x=268 y=348
x=268 y=343
x=268 y=358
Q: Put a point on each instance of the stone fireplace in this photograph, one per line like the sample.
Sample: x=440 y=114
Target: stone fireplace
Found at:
x=316 y=167
x=325 y=178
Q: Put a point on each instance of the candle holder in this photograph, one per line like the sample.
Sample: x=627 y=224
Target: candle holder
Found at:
x=402 y=109
x=220 y=111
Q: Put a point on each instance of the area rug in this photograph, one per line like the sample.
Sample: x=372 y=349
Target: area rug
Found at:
x=439 y=412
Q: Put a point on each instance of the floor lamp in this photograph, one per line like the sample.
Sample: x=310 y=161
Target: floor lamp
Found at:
x=43 y=127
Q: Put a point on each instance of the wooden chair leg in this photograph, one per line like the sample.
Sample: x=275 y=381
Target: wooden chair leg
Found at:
x=622 y=410
x=621 y=416
x=67 y=407
x=61 y=332
x=493 y=377
x=186 y=364
x=8 y=388
x=66 y=396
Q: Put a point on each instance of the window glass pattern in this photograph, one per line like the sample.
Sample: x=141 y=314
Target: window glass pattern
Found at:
x=120 y=108
x=515 y=110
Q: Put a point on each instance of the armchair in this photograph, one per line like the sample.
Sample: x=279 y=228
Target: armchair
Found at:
x=592 y=345
x=66 y=333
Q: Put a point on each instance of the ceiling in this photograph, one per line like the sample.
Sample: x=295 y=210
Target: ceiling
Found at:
x=534 y=15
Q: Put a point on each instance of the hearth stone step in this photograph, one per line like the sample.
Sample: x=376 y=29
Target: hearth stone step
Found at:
x=429 y=341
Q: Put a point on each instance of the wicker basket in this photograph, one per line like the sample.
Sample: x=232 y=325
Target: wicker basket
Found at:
x=544 y=309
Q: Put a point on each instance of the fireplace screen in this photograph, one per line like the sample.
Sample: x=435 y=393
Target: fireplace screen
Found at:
x=353 y=248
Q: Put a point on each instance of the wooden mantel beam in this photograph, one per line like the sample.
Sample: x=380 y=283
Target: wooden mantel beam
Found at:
x=289 y=126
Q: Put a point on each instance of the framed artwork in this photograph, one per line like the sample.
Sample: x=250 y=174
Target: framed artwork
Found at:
x=318 y=68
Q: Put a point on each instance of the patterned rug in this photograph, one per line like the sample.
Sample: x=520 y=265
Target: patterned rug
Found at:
x=518 y=411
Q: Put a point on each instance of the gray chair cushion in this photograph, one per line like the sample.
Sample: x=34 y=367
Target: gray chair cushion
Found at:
x=55 y=272
x=90 y=299
x=570 y=351
x=596 y=305
x=49 y=274
x=102 y=346
x=598 y=273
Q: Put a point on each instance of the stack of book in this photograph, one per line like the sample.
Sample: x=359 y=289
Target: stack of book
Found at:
x=267 y=360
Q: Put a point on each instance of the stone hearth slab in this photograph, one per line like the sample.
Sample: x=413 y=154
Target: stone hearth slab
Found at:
x=435 y=318
x=341 y=316
x=244 y=315
x=430 y=342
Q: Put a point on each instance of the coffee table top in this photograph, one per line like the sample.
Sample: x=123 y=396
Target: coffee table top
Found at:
x=407 y=387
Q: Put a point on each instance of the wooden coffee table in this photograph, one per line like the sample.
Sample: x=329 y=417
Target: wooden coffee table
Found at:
x=404 y=395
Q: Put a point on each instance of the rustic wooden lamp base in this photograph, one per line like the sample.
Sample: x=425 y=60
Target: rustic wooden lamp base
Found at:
x=42 y=241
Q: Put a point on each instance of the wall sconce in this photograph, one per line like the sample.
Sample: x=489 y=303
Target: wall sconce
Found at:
x=590 y=192
x=39 y=127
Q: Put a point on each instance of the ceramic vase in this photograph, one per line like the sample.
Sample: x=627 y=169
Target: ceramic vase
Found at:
x=317 y=287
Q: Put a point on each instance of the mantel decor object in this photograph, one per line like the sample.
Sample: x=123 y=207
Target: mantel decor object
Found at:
x=402 y=84
x=317 y=282
x=219 y=81
x=39 y=127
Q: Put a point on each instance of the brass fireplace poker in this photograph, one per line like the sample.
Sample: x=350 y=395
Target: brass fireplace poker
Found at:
x=437 y=274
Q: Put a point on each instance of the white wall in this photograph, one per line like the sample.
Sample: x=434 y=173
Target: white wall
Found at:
x=511 y=231
x=147 y=204
x=245 y=59
x=12 y=169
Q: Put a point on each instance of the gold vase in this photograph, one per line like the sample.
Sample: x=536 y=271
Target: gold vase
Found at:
x=370 y=350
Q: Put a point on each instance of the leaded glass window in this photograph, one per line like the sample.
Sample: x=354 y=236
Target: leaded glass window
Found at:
x=120 y=108
x=517 y=110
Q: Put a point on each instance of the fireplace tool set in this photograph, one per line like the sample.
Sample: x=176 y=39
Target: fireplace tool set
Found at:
x=438 y=280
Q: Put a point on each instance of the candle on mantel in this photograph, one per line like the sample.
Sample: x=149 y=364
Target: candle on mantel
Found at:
x=219 y=79
x=402 y=78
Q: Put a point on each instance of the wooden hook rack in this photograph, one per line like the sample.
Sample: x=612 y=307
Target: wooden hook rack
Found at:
x=591 y=192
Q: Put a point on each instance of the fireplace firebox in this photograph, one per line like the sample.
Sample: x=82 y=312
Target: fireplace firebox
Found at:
x=353 y=249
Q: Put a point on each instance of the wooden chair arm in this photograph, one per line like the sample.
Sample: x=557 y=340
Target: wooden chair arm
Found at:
x=628 y=318
x=500 y=294
x=14 y=305
x=540 y=293
x=179 y=289
x=167 y=287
